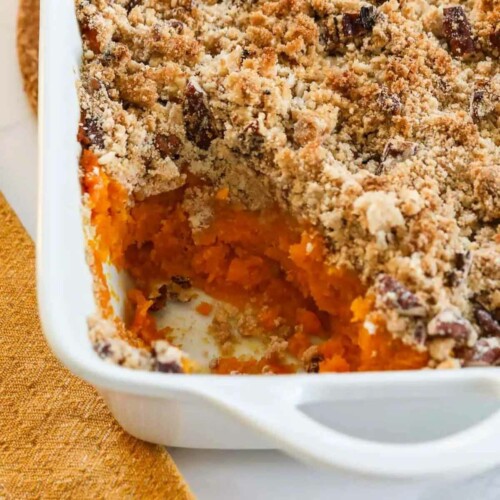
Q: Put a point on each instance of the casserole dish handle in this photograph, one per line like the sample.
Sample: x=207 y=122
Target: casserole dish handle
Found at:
x=470 y=451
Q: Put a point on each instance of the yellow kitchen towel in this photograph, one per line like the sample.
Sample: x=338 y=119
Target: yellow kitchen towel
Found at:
x=27 y=47
x=57 y=438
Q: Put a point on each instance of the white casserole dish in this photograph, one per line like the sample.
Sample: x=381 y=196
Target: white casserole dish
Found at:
x=205 y=411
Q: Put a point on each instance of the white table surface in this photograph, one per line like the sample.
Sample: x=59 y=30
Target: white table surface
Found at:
x=211 y=474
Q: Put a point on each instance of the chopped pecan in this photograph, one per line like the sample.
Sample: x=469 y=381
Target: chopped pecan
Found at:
x=93 y=85
x=329 y=34
x=351 y=25
x=177 y=25
x=168 y=145
x=359 y=24
x=482 y=102
x=463 y=261
x=90 y=35
x=313 y=366
x=200 y=127
x=495 y=38
x=401 y=150
x=166 y=357
x=477 y=104
x=176 y=290
x=457 y=31
x=103 y=349
x=182 y=281
x=368 y=15
x=486 y=352
x=133 y=3
x=449 y=323
x=91 y=133
x=394 y=295
x=159 y=300
x=169 y=367
x=488 y=324
x=420 y=333
x=390 y=103
x=251 y=140
x=180 y=289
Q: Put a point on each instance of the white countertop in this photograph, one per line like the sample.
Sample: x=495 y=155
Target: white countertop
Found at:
x=220 y=475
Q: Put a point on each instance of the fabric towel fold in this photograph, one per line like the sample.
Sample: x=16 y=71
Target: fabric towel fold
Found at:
x=57 y=438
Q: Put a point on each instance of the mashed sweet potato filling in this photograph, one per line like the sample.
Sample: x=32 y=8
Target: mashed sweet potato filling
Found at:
x=259 y=260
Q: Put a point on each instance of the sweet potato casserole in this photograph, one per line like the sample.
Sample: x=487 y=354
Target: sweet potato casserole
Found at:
x=321 y=177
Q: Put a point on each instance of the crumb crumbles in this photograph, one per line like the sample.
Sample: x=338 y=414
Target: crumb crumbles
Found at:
x=369 y=134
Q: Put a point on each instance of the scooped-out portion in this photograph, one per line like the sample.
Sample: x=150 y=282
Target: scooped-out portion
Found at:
x=265 y=271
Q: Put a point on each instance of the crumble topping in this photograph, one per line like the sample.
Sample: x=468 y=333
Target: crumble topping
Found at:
x=164 y=357
x=378 y=125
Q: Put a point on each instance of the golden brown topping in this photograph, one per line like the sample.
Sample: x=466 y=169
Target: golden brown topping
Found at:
x=137 y=89
x=354 y=119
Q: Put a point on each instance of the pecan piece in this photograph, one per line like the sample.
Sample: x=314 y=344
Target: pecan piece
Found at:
x=488 y=324
x=200 y=128
x=170 y=367
x=166 y=358
x=168 y=145
x=482 y=102
x=463 y=261
x=420 y=333
x=177 y=25
x=449 y=323
x=390 y=103
x=313 y=365
x=457 y=31
x=251 y=140
x=401 y=150
x=182 y=281
x=359 y=24
x=91 y=133
x=393 y=294
x=329 y=35
x=477 y=105
x=495 y=38
x=160 y=299
x=103 y=349
x=486 y=352
x=90 y=36
x=368 y=16
x=133 y=3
